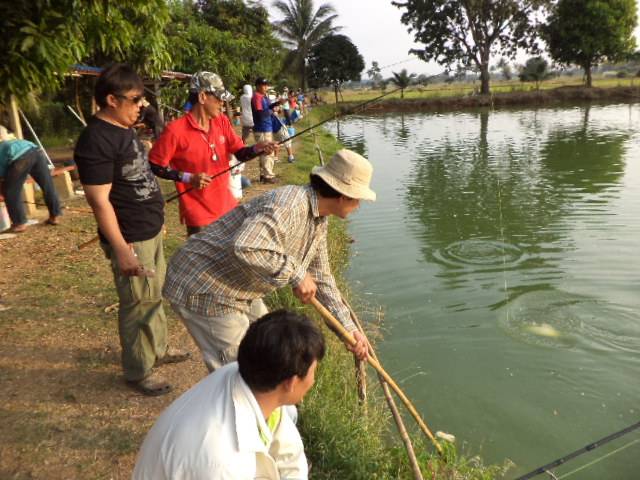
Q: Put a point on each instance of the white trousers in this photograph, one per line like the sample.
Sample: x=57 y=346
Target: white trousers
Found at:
x=219 y=337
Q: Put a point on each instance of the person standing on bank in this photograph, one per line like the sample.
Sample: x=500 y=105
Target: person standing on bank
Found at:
x=216 y=280
x=196 y=147
x=234 y=423
x=129 y=209
x=18 y=160
x=247 y=114
x=263 y=118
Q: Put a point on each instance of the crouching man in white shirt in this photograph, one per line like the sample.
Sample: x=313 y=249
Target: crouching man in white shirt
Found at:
x=232 y=424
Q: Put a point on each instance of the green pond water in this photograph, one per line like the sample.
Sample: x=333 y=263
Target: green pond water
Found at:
x=504 y=249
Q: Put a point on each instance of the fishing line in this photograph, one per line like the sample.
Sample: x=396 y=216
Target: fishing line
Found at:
x=504 y=254
x=281 y=142
x=593 y=462
x=585 y=449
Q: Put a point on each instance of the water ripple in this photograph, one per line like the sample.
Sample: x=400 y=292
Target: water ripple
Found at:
x=480 y=253
x=560 y=319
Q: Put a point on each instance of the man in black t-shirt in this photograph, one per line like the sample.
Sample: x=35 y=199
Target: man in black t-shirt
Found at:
x=129 y=208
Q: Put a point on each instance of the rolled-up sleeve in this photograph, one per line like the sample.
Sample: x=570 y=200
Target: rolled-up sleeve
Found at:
x=328 y=293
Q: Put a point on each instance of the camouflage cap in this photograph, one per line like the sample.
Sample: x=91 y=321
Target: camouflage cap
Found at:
x=210 y=83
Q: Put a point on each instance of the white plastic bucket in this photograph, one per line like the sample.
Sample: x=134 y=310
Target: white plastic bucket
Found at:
x=236 y=186
x=4 y=217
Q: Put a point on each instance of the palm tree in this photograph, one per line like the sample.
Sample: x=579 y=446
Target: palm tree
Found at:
x=536 y=70
x=302 y=28
x=402 y=80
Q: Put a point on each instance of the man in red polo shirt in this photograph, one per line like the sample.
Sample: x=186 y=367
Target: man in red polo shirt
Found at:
x=196 y=147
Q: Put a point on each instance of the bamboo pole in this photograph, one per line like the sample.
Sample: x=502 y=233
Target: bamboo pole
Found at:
x=73 y=209
x=87 y=243
x=337 y=326
x=397 y=418
x=315 y=141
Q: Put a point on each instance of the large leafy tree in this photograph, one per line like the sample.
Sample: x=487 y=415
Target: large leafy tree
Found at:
x=333 y=61
x=301 y=28
x=588 y=32
x=402 y=80
x=469 y=32
x=41 y=39
x=227 y=37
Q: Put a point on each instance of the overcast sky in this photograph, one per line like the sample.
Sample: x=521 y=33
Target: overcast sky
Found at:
x=375 y=29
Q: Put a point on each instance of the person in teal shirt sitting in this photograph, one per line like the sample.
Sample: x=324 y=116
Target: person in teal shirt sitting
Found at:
x=18 y=160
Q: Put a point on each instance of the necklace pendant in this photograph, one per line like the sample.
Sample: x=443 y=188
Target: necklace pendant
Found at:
x=214 y=157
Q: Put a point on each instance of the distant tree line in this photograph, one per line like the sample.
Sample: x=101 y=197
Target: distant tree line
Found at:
x=468 y=35
x=42 y=39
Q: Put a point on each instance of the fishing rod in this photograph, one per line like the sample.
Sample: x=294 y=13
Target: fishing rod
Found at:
x=281 y=142
x=585 y=449
x=402 y=430
x=337 y=327
x=75 y=114
x=24 y=117
x=345 y=113
x=73 y=209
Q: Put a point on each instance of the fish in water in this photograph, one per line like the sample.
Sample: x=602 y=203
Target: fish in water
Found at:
x=543 y=330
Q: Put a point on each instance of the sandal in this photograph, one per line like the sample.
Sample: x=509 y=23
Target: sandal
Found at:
x=16 y=229
x=152 y=385
x=173 y=355
x=53 y=223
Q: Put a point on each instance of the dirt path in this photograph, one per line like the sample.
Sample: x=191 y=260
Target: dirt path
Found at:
x=65 y=412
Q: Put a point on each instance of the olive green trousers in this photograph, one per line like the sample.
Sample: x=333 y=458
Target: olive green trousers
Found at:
x=142 y=324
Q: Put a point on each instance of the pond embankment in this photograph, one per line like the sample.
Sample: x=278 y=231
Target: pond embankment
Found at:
x=542 y=97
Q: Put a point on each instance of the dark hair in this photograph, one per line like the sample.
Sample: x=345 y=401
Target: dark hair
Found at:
x=116 y=79
x=278 y=346
x=323 y=188
x=194 y=98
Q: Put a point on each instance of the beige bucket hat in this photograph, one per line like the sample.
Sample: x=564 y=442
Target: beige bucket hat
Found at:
x=348 y=173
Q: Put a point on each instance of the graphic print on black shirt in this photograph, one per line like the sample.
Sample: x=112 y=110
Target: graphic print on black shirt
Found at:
x=108 y=154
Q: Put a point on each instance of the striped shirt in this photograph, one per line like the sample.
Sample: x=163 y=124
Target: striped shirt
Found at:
x=259 y=246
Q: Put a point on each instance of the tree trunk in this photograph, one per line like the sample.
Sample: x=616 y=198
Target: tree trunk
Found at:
x=484 y=78
x=227 y=106
x=156 y=89
x=303 y=73
x=587 y=71
x=335 y=90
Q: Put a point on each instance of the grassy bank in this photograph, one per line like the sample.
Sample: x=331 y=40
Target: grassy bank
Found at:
x=459 y=96
x=65 y=412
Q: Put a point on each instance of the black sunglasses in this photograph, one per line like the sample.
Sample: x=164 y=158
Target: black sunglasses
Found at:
x=136 y=99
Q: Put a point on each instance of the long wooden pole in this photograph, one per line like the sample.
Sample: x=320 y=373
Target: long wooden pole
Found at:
x=337 y=326
x=397 y=418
